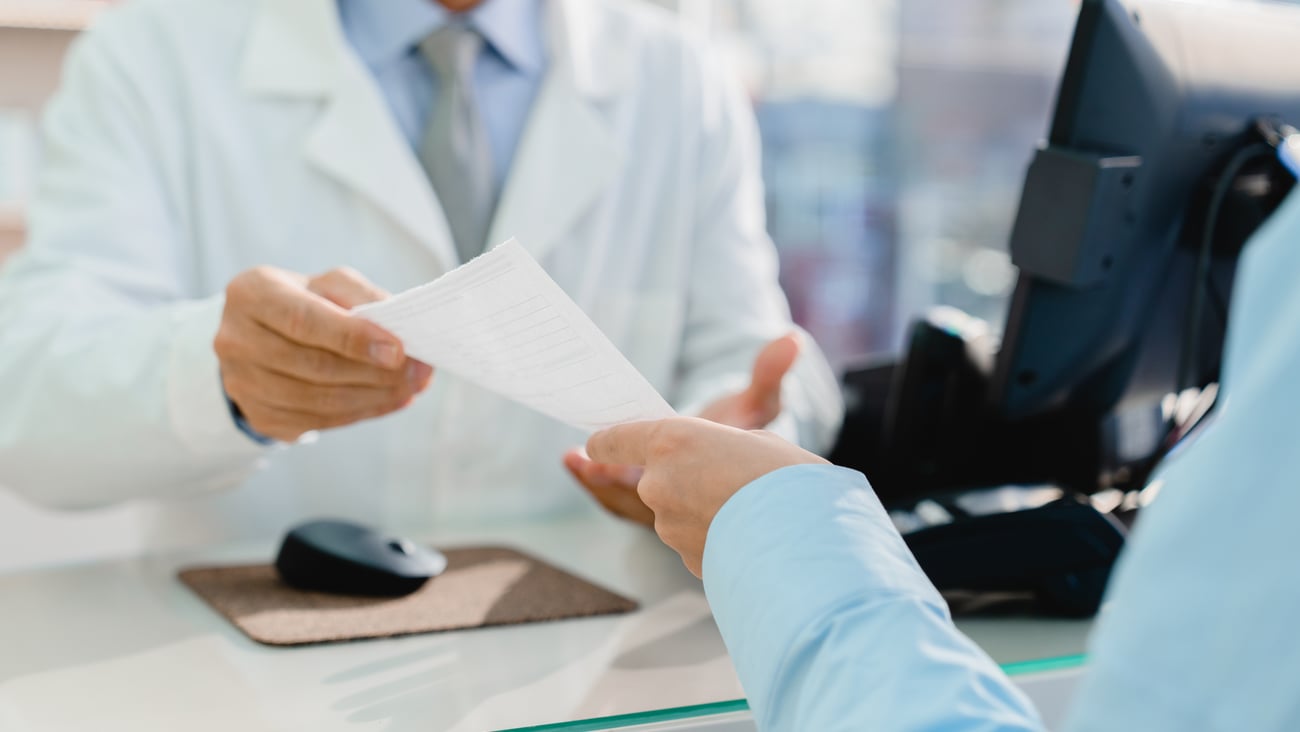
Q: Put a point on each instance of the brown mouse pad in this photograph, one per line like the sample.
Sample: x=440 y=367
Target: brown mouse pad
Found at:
x=482 y=586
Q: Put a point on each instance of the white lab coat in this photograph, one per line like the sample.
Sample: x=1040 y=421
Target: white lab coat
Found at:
x=193 y=139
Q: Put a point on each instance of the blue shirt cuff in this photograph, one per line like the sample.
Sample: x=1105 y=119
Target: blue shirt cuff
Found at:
x=831 y=623
x=793 y=547
x=797 y=526
x=238 y=416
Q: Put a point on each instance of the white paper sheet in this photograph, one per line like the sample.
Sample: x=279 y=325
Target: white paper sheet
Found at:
x=501 y=322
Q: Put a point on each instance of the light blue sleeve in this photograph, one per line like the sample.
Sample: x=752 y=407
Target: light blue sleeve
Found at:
x=1199 y=632
x=831 y=623
x=833 y=626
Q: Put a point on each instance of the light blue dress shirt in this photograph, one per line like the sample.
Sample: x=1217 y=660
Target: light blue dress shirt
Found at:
x=832 y=625
x=507 y=77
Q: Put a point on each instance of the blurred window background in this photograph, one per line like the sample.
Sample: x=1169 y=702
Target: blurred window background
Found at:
x=896 y=135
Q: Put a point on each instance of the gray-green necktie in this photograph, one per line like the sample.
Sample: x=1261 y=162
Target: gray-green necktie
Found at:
x=455 y=151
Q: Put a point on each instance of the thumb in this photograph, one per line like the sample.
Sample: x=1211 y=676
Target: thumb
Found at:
x=770 y=367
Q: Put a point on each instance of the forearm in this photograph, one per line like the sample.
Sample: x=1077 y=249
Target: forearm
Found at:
x=831 y=623
x=104 y=401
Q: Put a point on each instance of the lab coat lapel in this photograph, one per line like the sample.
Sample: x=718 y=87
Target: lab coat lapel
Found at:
x=297 y=48
x=357 y=142
x=568 y=155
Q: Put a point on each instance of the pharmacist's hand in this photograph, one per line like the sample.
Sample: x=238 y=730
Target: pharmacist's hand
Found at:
x=691 y=468
x=294 y=360
x=760 y=403
x=615 y=486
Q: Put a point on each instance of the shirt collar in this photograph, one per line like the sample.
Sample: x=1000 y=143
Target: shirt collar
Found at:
x=383 y=31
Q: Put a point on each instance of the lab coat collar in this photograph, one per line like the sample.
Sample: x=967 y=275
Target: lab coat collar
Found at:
x=297 y=49
x=594 y=60
x=385 y=31
x=567 y=156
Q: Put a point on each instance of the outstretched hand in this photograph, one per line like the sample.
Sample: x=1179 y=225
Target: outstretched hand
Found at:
x=691 y=468
x=760 y=403
x=614 y=485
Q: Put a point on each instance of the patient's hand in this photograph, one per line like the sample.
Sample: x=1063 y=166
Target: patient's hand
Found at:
x=294 y=360
x=614 y=486
x=692 y=467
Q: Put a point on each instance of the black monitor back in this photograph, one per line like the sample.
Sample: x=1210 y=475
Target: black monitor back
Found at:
x=1156 y=95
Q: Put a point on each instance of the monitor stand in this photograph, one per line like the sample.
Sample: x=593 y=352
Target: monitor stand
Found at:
x=920 y=430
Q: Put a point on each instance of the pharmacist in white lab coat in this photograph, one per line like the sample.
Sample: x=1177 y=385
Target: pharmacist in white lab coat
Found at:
x=242 y=171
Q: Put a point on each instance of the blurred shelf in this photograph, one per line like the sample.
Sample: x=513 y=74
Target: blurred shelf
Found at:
x=12 y=217
x=13 y=229
x=55 y=15
x=13 y=224
x=971 y=54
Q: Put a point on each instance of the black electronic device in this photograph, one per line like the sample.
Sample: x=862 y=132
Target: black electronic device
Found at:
x=344 y=558
x=1062 y=552
x=1157 y=99
x=1160 y=162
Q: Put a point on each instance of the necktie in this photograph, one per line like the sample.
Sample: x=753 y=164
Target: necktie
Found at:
x=455 y=151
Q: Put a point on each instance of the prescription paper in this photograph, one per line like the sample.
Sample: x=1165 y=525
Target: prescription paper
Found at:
x=501 y=322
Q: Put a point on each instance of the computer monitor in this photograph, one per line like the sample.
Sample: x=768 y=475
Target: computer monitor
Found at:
x=1161 y=160
x=1157 y=97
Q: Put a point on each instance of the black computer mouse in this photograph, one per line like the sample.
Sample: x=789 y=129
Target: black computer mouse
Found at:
x=349 y=559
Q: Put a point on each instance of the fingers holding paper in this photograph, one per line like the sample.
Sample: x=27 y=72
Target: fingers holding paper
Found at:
x=614 y=486
x=294 y=360
x=691 y=468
